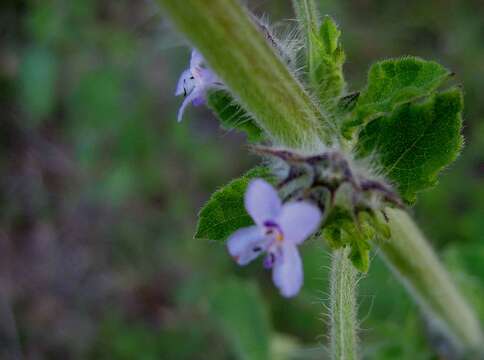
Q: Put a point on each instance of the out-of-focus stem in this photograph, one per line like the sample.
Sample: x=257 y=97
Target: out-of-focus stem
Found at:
x=343 y=307
x=236 y=50
x=412 y=259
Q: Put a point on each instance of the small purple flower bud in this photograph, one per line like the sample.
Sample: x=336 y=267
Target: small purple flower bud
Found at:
x=195 y=82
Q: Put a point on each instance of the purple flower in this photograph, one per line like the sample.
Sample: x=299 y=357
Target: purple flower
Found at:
x=279 y=229
x=195 y=82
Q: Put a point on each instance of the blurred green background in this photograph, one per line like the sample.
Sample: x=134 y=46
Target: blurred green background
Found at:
x=100 y=188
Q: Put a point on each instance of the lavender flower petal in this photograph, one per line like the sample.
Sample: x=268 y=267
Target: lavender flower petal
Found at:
x=200 y=100
x=288 y=273
x=181 y=86
x=207 y=78
x=246 y=244
x=191 y=97
x=298 y=220
x=262 y=201
x=196 y=59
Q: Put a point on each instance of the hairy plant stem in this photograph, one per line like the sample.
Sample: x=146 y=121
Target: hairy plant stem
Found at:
x=224 y=33
x=236 y=50
x=410 y=256
x=343 y=307
x=309 y=23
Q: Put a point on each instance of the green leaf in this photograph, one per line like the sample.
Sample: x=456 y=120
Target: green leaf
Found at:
x=360 y=256
x=233 y=116
x=224 y=212
x=416 y=142
x=326 y=70
x=240 y=310
x=330 y=34
x=394 y=82
x=324 y=53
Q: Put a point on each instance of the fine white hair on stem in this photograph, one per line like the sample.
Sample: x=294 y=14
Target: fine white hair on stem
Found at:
x=283 y=38
x=344 y=323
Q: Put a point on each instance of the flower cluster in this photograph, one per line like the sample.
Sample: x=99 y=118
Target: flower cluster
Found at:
x=327 y=173
x=278 y=230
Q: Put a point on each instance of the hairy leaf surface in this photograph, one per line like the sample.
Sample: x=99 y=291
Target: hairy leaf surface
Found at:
x=394 y=82
x=326 y=69
x=416 y=142
x=224 y=213
x=232 y=115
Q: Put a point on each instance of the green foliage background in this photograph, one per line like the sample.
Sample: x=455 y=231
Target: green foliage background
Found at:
x=100 y=190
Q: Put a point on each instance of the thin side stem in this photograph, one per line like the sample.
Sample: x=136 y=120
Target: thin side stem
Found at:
x=412 y=259
x=344 y=342
x=307 y=15
x=237 y=51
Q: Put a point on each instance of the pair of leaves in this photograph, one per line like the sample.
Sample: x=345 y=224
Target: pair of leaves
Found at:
x=412 y=142
x=232 y=116
x=342 y=228
x=225 y=213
